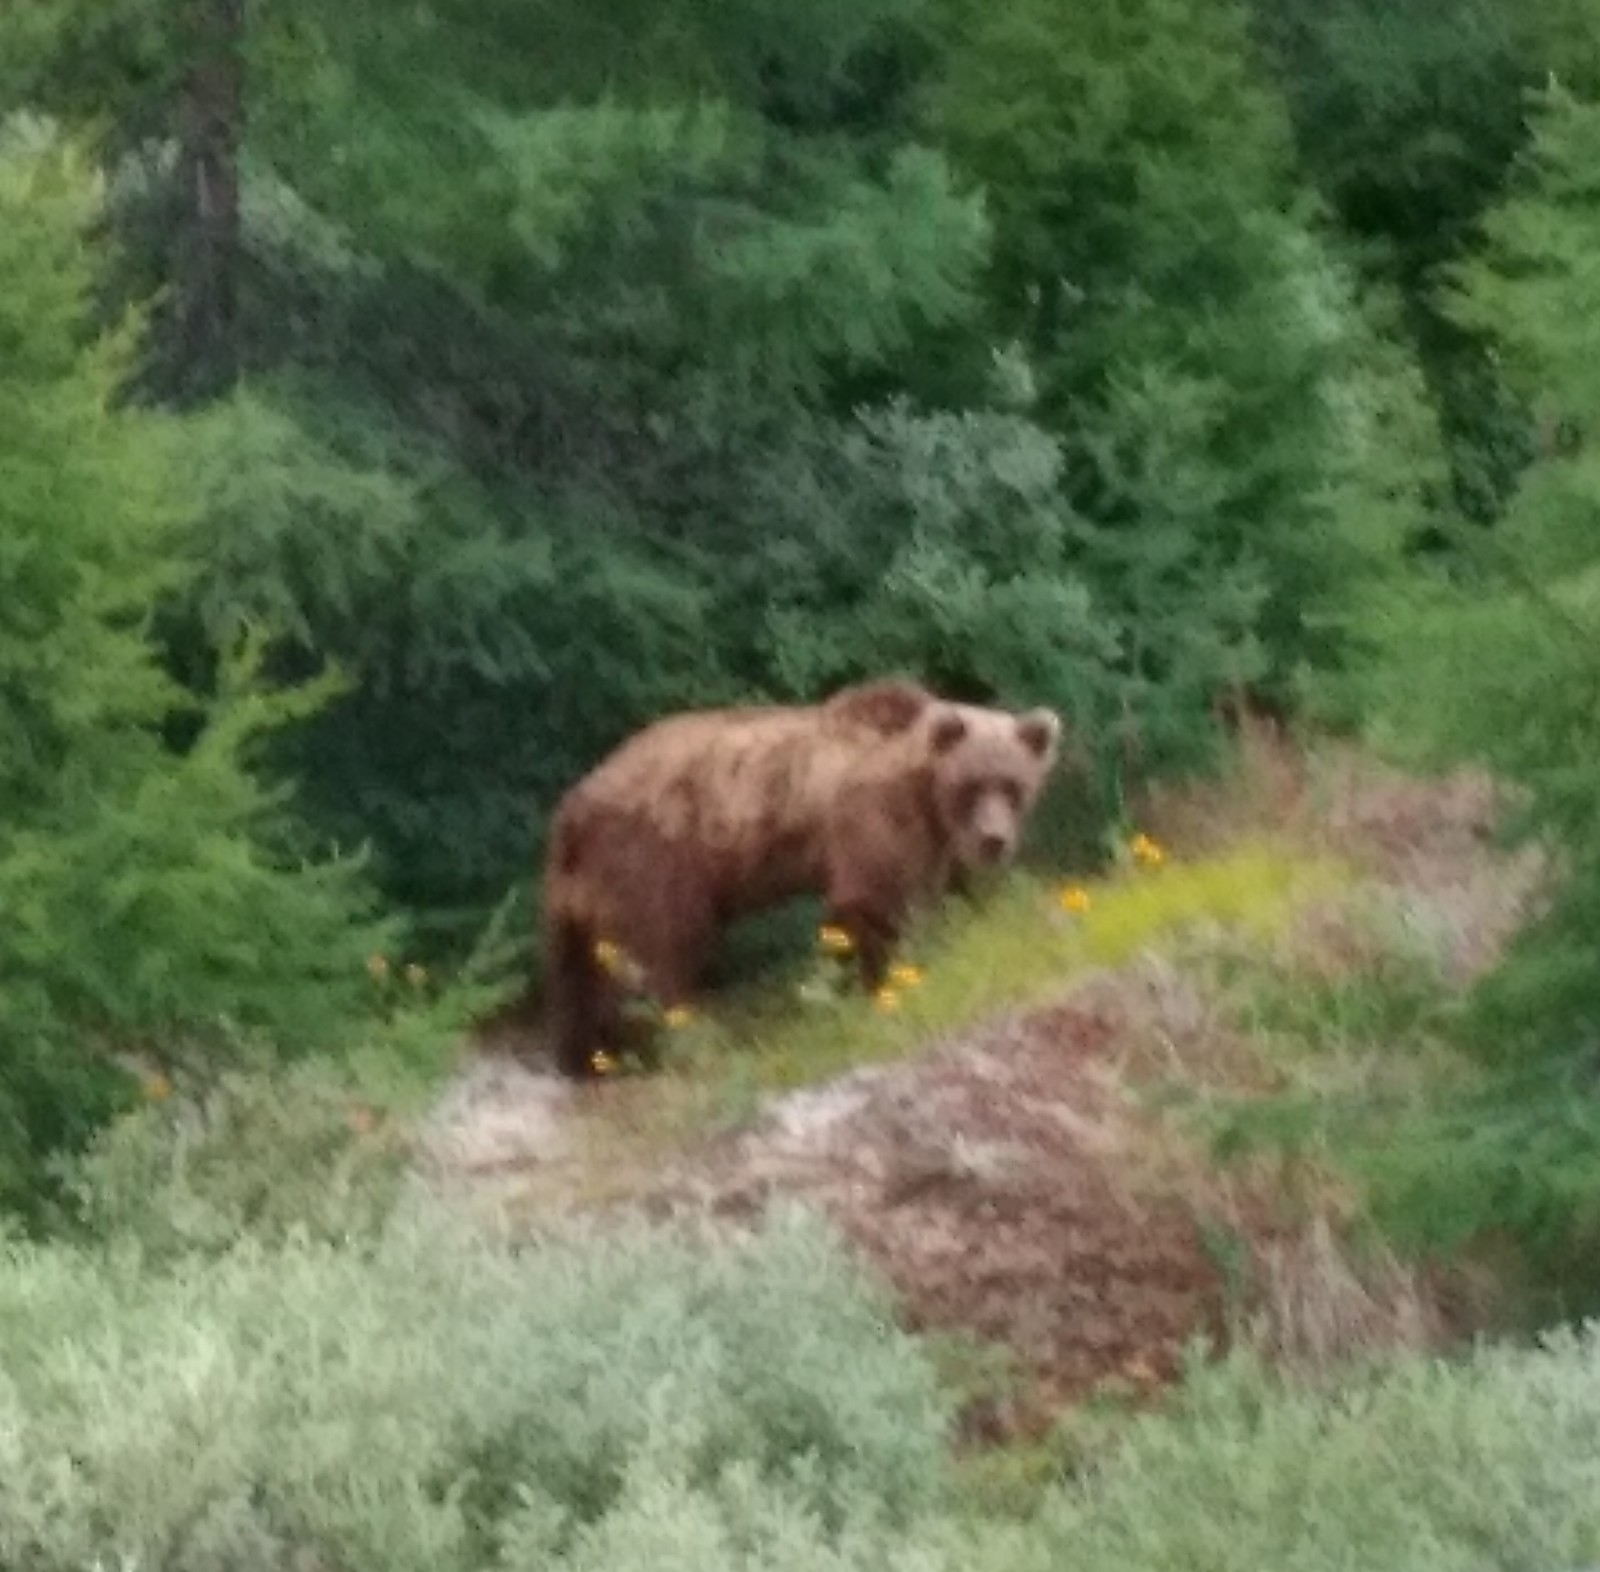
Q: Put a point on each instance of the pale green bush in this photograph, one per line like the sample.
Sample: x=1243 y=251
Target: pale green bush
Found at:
x=264 y=1154
x=437 y=1399
x=1428 y=1467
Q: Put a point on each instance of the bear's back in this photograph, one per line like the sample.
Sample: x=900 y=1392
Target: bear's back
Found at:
x=745 y=787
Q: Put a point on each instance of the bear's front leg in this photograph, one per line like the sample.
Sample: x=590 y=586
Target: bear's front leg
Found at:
x=871 y=870
x=873 y=935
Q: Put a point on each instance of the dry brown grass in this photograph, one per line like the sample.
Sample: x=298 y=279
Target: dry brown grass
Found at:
x=1321 y=1305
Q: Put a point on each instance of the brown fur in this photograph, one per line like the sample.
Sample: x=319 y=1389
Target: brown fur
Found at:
x=872 y=798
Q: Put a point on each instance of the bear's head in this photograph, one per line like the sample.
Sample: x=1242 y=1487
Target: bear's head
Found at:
x=988 y=767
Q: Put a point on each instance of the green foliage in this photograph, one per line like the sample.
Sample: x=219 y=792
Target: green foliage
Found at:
x=439 y=1398
x=86 y=59
x=1407 y=114
x=434 y=1397
x=1426 y=1466
x=300 y=1151
x=151 y=893
x=1497 y=663
x=919 y=527
x=479 y=629
x=1229 y=432
x=1408 y=118
x=1510 y=1156
x=294 y=534
x=1501 y=665
x=681 y=245
x=1092 y=143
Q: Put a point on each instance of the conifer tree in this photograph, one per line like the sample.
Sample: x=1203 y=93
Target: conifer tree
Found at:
x=1197 y=348
x=151 y=902
x=1506 y=668
x=1498 y=662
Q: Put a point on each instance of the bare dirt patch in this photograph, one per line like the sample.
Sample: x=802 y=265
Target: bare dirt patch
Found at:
x=1002 y=1185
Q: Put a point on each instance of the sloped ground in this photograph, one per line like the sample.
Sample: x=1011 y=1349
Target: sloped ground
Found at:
x=1010 y=1181
x=1003 y=1186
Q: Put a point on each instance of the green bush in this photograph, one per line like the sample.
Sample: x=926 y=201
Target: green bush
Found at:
x=1427 y=1467
x=300 y=1150
x=437 y=1398
x=1243 y=453
x=1495 y=661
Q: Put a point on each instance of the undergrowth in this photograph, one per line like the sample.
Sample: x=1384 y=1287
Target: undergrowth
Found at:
x=308 y=1151
x=432 y=1395
x=1424 y=1465
x=1361 y=1081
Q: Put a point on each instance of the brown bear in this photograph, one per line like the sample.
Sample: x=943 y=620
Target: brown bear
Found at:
x=873 y=799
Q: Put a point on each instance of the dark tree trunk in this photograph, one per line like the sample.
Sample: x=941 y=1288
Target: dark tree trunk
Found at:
x=206 y=255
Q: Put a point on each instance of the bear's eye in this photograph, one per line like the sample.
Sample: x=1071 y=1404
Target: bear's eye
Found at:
x=970 y=795
x=1006 y=790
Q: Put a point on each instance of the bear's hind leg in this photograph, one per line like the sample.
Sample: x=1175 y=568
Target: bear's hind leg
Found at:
x=672 y=938
x=575 y=985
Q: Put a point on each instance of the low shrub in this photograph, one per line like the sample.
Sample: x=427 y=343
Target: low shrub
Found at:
x=301 y=1150
x=1426 y=1467
x=436 y=1398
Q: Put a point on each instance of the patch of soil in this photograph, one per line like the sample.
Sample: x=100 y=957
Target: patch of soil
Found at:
x=1003 y=1182
x=1006 y=1188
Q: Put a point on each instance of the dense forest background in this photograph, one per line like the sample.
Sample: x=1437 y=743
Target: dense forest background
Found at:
x=402 y=403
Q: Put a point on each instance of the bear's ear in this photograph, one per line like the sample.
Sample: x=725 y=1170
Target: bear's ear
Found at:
x=949 y=731
x=1040 y=731
x=889 y=706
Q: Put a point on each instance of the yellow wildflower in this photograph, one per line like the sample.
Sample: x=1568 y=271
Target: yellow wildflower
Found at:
x=835 y=940
x=905 y=975
x=1075 y=899
x=416 y=975
x=679 y=1016
x=1146 y=851
x=616 y=962
x=158 y=1088
x=887 y=999
x=601 y=1062
x=378 y=966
